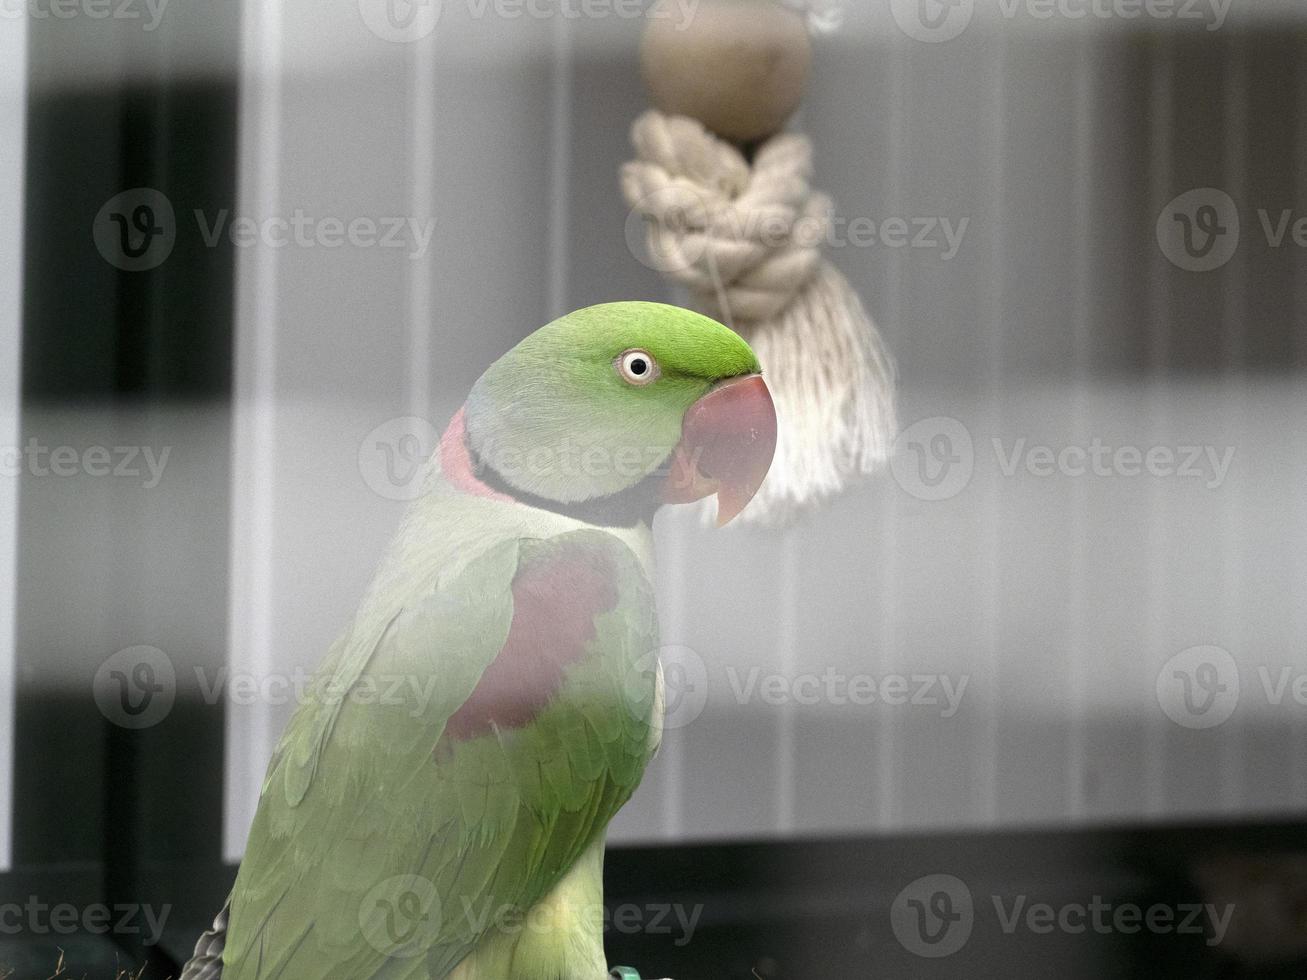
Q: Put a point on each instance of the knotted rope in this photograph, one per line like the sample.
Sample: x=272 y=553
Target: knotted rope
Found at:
x=745 y=240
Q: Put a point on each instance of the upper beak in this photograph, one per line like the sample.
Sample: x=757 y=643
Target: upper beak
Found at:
x=728 y=439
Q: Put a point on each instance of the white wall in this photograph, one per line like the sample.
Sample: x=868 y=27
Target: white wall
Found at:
x=13 y=86
x=1059 y=600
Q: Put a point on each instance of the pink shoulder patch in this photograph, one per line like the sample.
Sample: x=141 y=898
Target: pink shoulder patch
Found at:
x=555 y=601
x=456 y=461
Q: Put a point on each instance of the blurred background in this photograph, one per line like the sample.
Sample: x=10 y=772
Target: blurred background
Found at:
x=1032 y=700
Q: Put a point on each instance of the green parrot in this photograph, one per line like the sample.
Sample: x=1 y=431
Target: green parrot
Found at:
x=438 y=804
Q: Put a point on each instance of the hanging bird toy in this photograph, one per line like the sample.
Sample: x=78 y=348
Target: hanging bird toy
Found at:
x=727 y=211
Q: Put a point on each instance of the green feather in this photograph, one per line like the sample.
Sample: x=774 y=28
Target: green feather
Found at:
x=358 y=796
x=381 y=851
x=522 y=415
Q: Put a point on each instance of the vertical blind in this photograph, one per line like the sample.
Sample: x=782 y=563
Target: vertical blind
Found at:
x=13 y=86
x=1051 y=606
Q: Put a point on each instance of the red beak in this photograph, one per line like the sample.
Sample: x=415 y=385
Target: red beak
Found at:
x=728 y=439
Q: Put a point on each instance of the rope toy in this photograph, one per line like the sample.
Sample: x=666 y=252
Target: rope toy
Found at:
x=743 y=235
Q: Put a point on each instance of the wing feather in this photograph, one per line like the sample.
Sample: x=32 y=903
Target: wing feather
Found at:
x=469 y=795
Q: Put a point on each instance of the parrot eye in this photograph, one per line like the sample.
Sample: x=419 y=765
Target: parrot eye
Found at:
x=638 y=367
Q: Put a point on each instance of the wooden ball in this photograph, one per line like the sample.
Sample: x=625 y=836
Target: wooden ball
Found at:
x=738 y=66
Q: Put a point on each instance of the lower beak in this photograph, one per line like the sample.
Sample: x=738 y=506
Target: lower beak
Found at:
x=728 y=439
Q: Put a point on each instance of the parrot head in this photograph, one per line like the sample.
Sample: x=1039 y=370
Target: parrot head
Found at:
x=621 y=408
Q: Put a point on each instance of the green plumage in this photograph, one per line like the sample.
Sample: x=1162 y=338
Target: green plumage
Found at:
x=382 y=849
x=546 y=412
x=358 y=794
